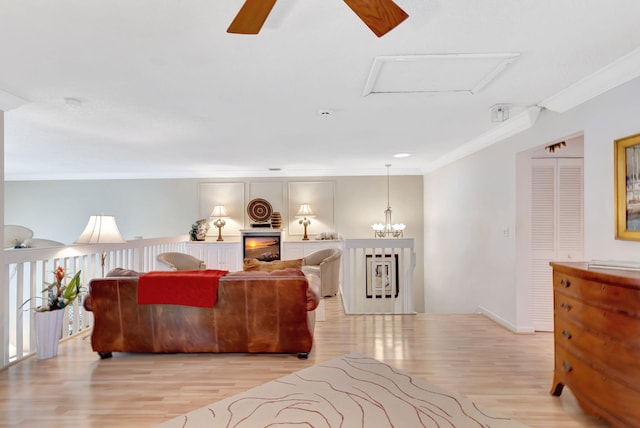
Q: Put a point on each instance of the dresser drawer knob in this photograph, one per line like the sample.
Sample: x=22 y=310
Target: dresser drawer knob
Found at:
x=567 y=366
x=565 y=283
x=566 y=333
x=566 y=306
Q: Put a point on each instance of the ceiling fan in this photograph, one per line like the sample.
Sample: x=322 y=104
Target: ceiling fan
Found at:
x=381 y=16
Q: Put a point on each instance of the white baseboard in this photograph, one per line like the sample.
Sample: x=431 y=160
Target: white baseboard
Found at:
x=506 y=324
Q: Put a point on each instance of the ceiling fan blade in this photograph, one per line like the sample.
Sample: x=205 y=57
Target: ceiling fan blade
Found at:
x=381 y=16
x=251 y=16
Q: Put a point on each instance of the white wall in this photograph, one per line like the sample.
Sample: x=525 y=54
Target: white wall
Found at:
x=59 y=210
x=361 y=201
x=603 y=126
x=468 y=260
x=468 y=204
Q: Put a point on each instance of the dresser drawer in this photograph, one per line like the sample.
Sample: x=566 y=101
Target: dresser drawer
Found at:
x=597 y=340
x=597 y=392
x=617 y=359
x=615 y=325
x=616 y=298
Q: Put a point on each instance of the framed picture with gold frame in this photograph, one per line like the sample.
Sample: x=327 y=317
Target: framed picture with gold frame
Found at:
x=627 y=191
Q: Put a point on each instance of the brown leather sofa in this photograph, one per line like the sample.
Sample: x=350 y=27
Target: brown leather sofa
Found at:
x=256 y=312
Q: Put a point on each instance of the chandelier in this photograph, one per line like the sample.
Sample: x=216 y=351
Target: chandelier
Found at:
x=388 y=229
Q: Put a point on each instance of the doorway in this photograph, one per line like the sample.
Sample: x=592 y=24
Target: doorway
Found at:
x=550 y=207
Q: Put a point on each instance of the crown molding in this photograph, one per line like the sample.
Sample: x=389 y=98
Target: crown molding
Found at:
x=506 y=129
x=230 y=174
x=615 y=74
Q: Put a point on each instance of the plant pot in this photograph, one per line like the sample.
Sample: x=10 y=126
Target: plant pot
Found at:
x=48 y=333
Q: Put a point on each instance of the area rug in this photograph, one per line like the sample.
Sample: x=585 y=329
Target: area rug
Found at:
x=350 y=391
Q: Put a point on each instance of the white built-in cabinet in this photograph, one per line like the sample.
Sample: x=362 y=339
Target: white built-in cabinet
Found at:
x=298 y=249
x=227 y=255
x=557 y=227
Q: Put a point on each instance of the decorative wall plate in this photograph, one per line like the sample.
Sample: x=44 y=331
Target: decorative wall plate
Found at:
x=259 y=210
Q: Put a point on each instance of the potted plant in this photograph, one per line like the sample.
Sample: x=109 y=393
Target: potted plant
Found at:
x=49 y=316
x=199 y=230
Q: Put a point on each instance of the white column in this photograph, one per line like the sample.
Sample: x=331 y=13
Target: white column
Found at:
x=4 y=297
x=7 y=102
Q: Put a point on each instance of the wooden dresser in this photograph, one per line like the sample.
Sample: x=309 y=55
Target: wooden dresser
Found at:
x=597 y=340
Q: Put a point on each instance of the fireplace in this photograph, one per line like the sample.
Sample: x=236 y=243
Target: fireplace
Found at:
x=263 y=245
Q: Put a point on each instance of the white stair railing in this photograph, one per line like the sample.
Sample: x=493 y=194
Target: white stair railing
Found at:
x=377 y=276
x=26 y=270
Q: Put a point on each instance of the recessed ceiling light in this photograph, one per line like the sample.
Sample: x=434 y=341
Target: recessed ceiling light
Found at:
x=402 y=155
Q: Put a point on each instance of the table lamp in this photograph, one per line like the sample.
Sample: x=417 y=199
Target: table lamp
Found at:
x=101 y=229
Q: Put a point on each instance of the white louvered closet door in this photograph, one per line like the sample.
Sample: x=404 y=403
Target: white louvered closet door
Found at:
x=557 y=232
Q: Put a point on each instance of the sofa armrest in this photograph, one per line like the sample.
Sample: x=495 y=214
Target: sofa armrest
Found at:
x=86 y=303
x=313 y=292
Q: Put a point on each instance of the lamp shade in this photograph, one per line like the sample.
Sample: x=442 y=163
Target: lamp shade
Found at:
x=305 y=211
x=218 y=211
x=101 y=229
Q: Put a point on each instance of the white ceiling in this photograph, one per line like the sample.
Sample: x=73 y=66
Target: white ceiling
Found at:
x=157 y=88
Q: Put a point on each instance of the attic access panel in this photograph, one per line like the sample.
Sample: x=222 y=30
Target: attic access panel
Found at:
x=435 y=73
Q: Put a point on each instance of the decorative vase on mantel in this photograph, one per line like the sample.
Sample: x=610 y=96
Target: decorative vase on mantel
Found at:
x=276 y=220
x=48 y=332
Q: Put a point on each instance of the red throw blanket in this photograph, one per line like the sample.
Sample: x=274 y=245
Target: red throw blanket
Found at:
x=185 y=287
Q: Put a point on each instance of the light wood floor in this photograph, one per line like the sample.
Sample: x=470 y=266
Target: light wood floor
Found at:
x=467 y=354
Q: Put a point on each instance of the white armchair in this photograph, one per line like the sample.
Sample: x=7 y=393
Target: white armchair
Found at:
x=180 y=261
x=326 y=265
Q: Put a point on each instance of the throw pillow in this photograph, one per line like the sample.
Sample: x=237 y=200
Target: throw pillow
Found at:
x=122 y=272
x=255 y=264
